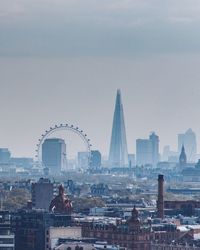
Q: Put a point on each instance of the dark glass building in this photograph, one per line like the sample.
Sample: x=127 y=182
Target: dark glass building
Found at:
x=54 y=155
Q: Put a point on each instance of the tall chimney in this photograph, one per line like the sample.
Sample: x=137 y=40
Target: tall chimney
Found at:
x=160 y=201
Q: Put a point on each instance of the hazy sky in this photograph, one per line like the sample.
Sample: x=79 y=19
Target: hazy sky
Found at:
x=63 y=60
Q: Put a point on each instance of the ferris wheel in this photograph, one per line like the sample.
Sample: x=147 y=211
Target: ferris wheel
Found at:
x=62 y=127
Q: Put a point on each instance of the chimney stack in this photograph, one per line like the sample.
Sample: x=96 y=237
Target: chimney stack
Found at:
x=160 y=201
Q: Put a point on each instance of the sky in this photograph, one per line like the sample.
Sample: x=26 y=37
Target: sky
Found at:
x=63 y=61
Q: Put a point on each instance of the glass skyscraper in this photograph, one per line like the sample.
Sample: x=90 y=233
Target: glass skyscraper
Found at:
x=118 y=156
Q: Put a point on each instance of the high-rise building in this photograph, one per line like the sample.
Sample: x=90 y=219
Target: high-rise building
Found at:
x=154 y=139
x=95 y=161
x=118 y=155
x=4 y=155
x=147 y=150
x=131 y=160
x=83 y=160
x=143 y=152
x=42 y=194
x=54 y=155
x=188 y=139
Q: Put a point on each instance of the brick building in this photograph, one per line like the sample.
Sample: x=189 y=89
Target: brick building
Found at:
x=130 y=234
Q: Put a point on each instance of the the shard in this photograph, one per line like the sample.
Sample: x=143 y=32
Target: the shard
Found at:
x=118 y=156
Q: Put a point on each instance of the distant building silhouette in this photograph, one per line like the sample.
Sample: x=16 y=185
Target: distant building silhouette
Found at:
x=143 y=152
x=95 y=161
x=4 y=155
x=36 y=229
x=154 y=139
x=188 y=139
x=83 y=160
x=182 y=157
x=147 y=150
x=54 y=155
x=42 y=194
x=169 y=155
x=118 y=155
x=131 y=160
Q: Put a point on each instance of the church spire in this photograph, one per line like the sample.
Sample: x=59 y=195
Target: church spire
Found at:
x=182 y=157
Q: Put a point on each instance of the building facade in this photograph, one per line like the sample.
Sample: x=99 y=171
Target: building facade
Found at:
x=42 y=194
x=147 y=151
x=33 y=229
x=95 y=161
x=54 y=155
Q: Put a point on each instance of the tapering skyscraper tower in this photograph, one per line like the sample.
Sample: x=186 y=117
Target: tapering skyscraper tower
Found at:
x=118 y=147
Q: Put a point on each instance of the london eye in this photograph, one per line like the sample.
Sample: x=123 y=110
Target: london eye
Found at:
x=62 y=127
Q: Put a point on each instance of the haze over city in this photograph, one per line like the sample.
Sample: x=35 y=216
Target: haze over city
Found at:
x=99 y=132
x=63 y=62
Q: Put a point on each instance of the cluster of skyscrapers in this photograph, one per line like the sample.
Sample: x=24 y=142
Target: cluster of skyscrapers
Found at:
x=54 y=154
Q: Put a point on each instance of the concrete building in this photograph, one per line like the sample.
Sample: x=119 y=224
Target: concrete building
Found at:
x=188 y=139
x=147 y=151
x=87 y=246
x=4 y=155
x=42 y=194
x=54 y=155
x=143 y=152
x=38 y=230
x=6 y=235
x=83 y=160
x=95 y=161
x=154 y=139
x=55 y=234
x=23 y=162
x=131 y=160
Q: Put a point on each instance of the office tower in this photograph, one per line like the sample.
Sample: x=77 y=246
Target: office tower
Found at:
x=131 y=160
x=118 y=156
x=188 y=139
x=147 y=150
x=160 y=201
x=54 y=155
x=83 y=160
x=42 y=194
x=166 y=153
x=154 y=139
x=143 y=152
x=95 y=161
x=182 y=157
x=4 y=155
